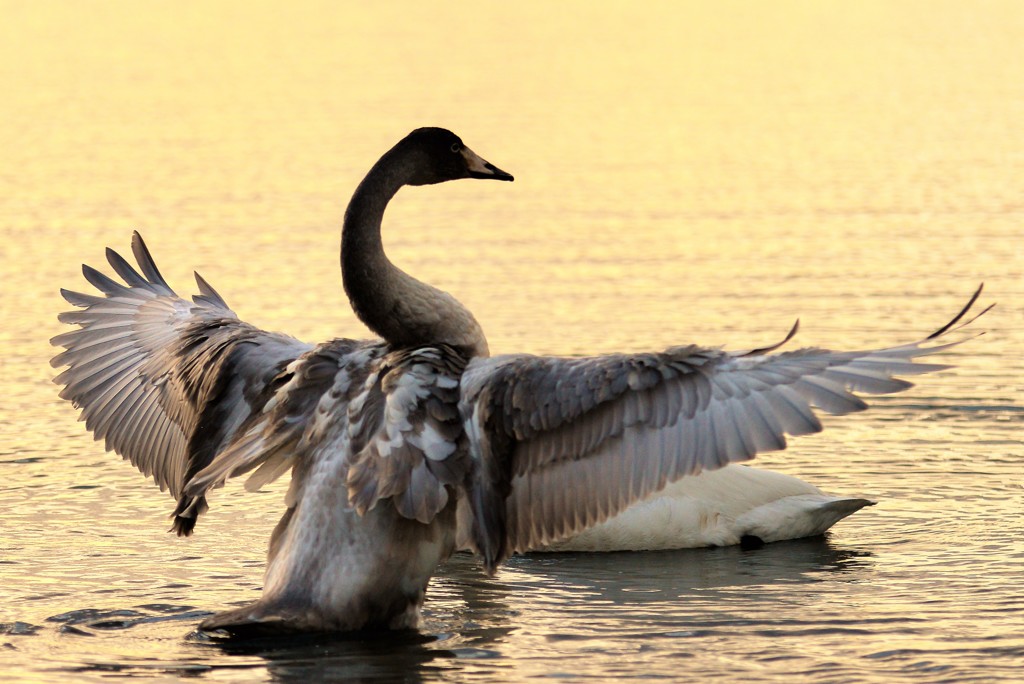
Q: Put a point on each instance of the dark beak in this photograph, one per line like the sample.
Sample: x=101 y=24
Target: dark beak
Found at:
x=481 y=168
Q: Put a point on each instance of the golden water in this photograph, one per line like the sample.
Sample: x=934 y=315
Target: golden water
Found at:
x=685 y=172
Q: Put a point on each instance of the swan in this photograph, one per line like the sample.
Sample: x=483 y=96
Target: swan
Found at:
x=405 y=447
x=735 y=504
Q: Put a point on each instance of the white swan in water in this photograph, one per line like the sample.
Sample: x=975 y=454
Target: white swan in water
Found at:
x=735 y=504
x=395 y=443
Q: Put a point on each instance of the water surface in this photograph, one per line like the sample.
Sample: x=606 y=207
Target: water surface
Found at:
x=684 y=173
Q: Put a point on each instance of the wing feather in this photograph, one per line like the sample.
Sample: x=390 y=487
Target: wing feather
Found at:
x=578 y=440
x=151 y=372
x=297 y=419
x=125 y=270
x=407 y=442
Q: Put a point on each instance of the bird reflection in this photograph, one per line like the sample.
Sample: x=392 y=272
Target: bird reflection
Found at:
x=646 y=577
x=367 y=657
x=469 y=617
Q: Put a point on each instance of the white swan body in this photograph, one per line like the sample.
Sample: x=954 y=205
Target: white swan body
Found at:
x=735 y=504
x=403 y=447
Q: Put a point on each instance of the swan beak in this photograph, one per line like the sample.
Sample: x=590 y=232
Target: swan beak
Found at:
x=481 y=168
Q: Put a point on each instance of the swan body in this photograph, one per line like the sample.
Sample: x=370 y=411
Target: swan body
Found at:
x=735 y=504
x=403 y=447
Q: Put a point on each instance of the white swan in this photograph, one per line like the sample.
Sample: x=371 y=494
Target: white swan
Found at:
x=735 y=504
x=390 y=442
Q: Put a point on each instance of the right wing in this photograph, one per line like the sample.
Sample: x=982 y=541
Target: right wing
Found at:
x=165 y=382
x=562 y=444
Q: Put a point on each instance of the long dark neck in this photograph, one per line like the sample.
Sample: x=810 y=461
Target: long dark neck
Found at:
x=365 y=269
x=393 y=304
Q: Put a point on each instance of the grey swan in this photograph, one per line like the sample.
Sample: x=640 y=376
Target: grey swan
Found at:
x=403 y=448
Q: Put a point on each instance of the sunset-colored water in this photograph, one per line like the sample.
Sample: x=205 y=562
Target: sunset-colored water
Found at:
x=685 y=173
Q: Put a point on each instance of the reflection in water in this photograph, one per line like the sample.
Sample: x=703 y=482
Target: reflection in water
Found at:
x=645 y=577
x=674 y=586
x=397 y=656
x=473 y=619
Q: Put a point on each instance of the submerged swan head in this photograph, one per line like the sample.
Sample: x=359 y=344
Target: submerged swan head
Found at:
x=442 y=156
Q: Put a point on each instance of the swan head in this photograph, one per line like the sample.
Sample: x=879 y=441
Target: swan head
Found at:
x=442 y=156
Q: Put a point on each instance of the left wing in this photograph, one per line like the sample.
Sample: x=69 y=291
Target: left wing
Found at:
x=165 y=382
x=353 y=416
x=563 y=444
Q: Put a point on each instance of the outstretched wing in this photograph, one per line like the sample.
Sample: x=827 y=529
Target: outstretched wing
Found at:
x=165 y=382
x=374 y=423
x=563 y=444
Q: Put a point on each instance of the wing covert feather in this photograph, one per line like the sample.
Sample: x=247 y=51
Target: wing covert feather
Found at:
x=407 y=434
x=571 y=442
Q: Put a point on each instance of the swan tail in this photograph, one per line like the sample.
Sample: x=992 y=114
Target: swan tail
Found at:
x=796 y=517
x=252 y=620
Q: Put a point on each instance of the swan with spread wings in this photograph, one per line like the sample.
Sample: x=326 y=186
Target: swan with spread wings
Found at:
x=402 y=447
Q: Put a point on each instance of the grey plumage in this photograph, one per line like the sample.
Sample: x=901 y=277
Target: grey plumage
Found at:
x=627 y=425
x=390 y=441
x=164 y=382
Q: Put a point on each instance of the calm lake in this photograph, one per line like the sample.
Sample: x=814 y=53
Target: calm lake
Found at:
x=685 y=173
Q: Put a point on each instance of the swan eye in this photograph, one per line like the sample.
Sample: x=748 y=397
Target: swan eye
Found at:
x=456 y=147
